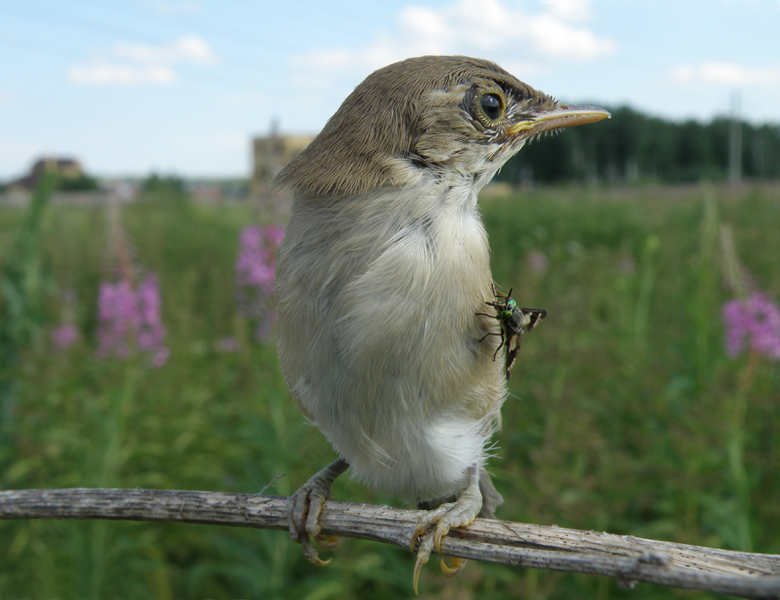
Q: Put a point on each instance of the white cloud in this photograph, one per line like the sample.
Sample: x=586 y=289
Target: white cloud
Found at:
x=570 y=10
x=138 y=64
x=488 y=25
x=488 y=28
x=555 y=38
x=721 y=73
x=100 y=73
x=187 y=49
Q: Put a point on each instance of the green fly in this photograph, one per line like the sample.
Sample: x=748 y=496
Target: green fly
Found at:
x=514 y=321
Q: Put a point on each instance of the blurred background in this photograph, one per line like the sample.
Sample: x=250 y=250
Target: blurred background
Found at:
x=137 y=246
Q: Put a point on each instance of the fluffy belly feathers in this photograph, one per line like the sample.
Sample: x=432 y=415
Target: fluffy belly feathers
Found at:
x=392 y=369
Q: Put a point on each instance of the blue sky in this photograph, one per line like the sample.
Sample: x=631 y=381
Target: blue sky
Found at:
x=180 y=86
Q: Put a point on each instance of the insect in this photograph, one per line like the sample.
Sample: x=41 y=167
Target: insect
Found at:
x=514 y=321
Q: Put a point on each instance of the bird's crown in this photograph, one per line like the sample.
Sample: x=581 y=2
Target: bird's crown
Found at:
x=430 y=112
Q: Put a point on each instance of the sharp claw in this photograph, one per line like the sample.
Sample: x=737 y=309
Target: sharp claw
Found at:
x=457 y=566
x=310 y=552
x=306 y=508
x=460 y=513
x=423 y=556
x=421 y=560
x=442 y=529
x=328 y=542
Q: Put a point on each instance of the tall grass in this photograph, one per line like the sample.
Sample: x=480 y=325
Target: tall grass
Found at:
x=22 y=288
x=626 y=414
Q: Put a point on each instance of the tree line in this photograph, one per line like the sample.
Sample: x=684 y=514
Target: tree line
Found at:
x=633 y=147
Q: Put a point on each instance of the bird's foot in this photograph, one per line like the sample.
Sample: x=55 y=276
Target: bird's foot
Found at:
x=460 y=513
x=306 y=507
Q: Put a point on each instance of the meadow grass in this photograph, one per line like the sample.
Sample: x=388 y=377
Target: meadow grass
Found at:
x=625 y=415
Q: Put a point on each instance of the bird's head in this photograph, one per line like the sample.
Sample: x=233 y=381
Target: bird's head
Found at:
x=427 y=116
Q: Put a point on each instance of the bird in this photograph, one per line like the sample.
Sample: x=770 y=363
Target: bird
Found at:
x=381 y=272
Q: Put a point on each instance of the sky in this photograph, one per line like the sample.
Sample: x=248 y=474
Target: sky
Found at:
x=131 y=87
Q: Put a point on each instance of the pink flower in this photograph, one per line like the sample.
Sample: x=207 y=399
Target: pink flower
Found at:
x=255 y=274
x=274 y=234
x=256 y=259
x=228 y=344
x=64 y=336
x=151 y=331
x=130 y=319
x=755 y=321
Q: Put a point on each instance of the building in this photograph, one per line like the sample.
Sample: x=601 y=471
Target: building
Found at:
x=67 y=168
x=269 y=154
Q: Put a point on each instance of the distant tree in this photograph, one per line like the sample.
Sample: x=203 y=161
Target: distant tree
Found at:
x=81 y=183
x=163 y=187
x=633 y=146
x=761 y=151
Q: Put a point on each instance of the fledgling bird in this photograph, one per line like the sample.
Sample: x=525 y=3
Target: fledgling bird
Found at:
x=382 y=269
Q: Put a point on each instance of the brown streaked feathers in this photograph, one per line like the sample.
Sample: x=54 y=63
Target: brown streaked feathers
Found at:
x=348 y=160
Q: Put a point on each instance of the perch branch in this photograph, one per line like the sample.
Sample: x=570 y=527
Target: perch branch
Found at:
x=626 y=558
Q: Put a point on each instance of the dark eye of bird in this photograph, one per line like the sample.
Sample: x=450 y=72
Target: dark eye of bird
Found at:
x=491 y=106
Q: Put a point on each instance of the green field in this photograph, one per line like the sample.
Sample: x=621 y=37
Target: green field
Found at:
x=626 y=414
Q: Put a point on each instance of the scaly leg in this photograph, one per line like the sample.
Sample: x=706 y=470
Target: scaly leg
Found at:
x=460 y=513
x=305 y=509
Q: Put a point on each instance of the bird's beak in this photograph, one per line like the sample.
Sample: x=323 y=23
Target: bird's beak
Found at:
x=561 y=116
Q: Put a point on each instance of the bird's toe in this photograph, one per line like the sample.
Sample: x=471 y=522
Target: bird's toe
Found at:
x=306 y=509
x=460 y=513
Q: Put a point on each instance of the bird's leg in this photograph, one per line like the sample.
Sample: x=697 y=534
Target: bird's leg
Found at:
x=460 y=513
x=305 y=509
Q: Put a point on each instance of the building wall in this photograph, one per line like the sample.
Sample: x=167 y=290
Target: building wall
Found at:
x=270 y=154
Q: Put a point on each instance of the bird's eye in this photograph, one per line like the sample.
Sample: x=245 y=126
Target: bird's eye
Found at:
x=492 y=106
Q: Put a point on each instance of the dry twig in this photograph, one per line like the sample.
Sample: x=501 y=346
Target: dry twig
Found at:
x=626 y=558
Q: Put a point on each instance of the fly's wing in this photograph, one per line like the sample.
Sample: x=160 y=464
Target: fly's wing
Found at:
x=513 y=337
x=522 y=319
x=531 y=317
x=511 y=357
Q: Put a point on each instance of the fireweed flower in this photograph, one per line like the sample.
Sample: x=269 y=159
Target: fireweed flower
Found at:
x=227 y=344
x=129 y=318
x=66 y=333
x=754 y=322
x=255 y=275
x=64 y=336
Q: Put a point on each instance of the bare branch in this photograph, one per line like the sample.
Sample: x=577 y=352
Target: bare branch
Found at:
x=626 y=558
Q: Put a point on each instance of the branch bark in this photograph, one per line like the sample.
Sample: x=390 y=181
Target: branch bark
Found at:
x=626 y=558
